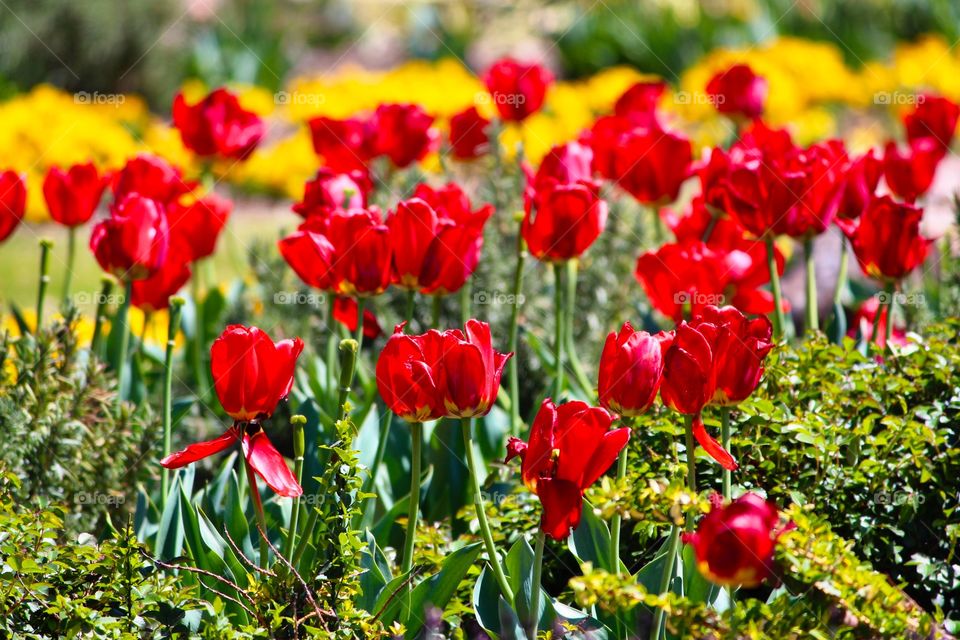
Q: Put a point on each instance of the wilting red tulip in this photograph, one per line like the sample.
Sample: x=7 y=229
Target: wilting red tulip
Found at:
x=345 y=312
x=934 y=117
x=13 y=202
x=909 y=173
x=563 y=220
x=869 y=313
x=887 y=240
x=651 y=164
x=328 y=191
x=251 y=375
x=409 y=377
x=470 y=370
x=638 y=104
x=152 y=177
x=348 y=252
x=217 y=125
x=631 y=369
x=715 y=359
x=405 y=133
x=73 y=195
x=738 y=91
x=198 y=225
x=345 y=145
x=570 y=447
x=860 y=185
x=518 y=89
x=153 y=293
x=468 y=134
x=734 y=543
x=132 y=243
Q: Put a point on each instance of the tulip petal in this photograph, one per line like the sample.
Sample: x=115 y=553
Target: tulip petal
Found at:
x=200 y=450
x=270 y=465
x=562 y=503
x=605 y=455
x=711 y=446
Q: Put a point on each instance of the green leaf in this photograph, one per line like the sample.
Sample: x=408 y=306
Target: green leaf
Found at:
x=590 y=542
x=376 y=573
x=519 y=568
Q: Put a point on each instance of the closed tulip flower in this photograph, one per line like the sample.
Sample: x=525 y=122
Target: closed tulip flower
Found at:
x=563 y=220
x=217 y=125
x=518 y=89
x=734 y=543
x=887 y=240
x=404 y=133
x=13 y=202
x=73 y=195
x=564 y=164
x=199 y=224
x=132 y=243
x=934 y=117
x=152 y=177
x=569 y=448
x=909 y=172
x=329 y=190
x=651 y=165
x=470 y=370
x=631 y=370
x=251 y=375
x=409 y=377
x=738 y=91
x=468 y=134
x=344 y=145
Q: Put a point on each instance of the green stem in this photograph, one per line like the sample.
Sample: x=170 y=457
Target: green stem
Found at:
x=485 y=533
x=691 y=461
x=173 y=326
x=466 y=296
x=841 y=273
x=615 y=522
x=71 y=253
x=558 y=330
x=106 y=287
x=710 y=227
x=435 y=315
x=258 y=510
x=513 y=371
x=569 y=345
x=45 y=247
x=778 y=319
x=123 y=321
x=299 y=446
x=891 y=301
x=358 y=333
x=408 y=314
x=813 y=313
x=725 y=440
x=672 y=547
x=534 y=622
x=413 y=508
x=199 y=372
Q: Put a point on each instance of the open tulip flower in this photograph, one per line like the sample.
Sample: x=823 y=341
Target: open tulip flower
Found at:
x=734 y=543
x=72 y=196
x=468 y=134
x=715 y=359
x=569 y=448
x=13 y=202
x=404 y=133
x=251 y=375
x=887 y=240
x=344 y=145
x=132 y=243
x=631 y=370
x=217 y=125
x=518 y=89
x=738 y=91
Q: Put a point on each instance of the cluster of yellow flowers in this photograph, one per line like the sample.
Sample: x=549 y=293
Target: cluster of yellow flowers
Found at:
x=807 y=80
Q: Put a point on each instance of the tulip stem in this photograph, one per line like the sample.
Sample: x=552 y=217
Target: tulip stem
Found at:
x=71 y=253
x=358 y=333
x=173 y=326
x=408 y=312
x=198 y=337
x=891 y=301
x=558 y=330
x=691 y=461
x=485 y=533
x=615 y=522
x=672 y=547
x=123 y=324
x=413 y=503
x=569 y=344
x=106 y=286
x=437 y=307
x=725 y=439
x=45 y=247
x=534 y=621
x=258 y=510
x=514 y=372
x=778 y=318
x=466 y=291
x=841 y=273
x=813 y=315
x=299 y=446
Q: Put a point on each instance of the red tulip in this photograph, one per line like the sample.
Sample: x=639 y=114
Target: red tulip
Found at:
x=887 y=240
x=345 y=145
x=468 y=134
x=518 y=89
x=564 y=164
x=153 y=293
x=405 y=133
x=860 y=185
x=251 y=375
x=329 y=190
x=716 y=359
x=73 y=195
x=132 y=243
x=934 y=117
x=345 y=312
x=638 y=104
x=199 y=224
x=569 y=448
x=152 y=177
x=651 y=164
x=409 y=377
x=871 y=312
x=348 y=252
x=470 y=371
x=734 y=544
x=603 y=138
x=13 y=202
x=738 y=91
x=631 y=369
x=563 y=220
x=217 y=125
x=909 y=173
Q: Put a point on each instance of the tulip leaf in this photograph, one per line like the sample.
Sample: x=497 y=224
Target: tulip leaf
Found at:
x=590 y=542
x=170 y=534
x=486 y=602
x=376 y=574
x=22 y=325
x=696 y=588
x=519 y=568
